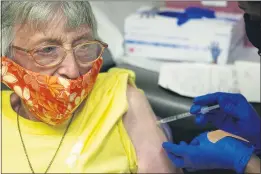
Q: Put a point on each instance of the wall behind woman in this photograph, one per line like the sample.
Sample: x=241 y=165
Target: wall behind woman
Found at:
x=230 y=6
x=117 y=11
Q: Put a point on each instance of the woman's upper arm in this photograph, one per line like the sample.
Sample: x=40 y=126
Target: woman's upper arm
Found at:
x=146 y=136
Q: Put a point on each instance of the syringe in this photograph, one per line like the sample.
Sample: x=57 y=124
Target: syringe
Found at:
x=203 y=110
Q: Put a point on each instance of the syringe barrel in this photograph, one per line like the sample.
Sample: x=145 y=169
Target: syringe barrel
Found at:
x=207 y=109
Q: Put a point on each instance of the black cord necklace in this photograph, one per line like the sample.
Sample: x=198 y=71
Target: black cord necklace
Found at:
x=25 y=150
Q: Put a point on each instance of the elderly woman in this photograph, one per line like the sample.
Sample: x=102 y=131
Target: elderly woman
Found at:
x=64 y=116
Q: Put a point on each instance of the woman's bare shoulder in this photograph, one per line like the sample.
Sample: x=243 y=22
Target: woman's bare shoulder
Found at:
x=146 y=136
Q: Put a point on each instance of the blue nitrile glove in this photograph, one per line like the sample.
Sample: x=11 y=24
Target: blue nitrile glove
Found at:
x=201 y=154
x=235 y=115
x=188 y=14
x=195 y=13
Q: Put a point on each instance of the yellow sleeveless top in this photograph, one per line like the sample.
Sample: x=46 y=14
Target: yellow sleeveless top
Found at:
x=95 y=142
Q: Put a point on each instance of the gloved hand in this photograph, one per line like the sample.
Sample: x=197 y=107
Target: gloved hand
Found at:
x=201 y=154
x=235 y=115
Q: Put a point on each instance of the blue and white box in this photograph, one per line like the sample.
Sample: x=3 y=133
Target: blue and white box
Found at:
x=198 y=40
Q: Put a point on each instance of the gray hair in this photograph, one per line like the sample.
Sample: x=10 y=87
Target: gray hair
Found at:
x=38 y=12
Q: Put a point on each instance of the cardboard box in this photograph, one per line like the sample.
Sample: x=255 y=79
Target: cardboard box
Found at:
x=198 y=40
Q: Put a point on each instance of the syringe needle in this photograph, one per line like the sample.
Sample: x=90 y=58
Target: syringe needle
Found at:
x=187 y=114
x=175 y=117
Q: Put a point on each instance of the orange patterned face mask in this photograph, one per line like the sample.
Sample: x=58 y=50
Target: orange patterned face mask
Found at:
x=50 y=99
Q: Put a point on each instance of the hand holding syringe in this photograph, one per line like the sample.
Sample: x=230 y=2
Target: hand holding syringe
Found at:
x=187 y=114
x=205 y=150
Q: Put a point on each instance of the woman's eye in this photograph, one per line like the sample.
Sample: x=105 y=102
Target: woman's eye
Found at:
x=48 y=49
x=85 y=47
